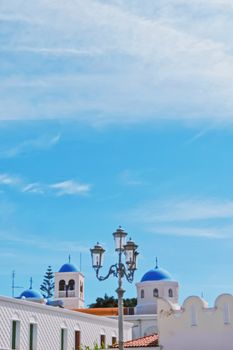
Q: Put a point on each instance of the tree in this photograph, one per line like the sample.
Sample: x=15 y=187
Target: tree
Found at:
x=106 y=301
x=130 y=302
x=47 y=286
x=112 y=302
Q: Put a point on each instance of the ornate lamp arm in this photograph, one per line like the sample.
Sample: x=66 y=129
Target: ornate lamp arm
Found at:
x=118 y=270
x=129 y=275
x=113 y=270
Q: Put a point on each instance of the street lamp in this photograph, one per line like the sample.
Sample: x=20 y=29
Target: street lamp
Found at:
x=119 y=270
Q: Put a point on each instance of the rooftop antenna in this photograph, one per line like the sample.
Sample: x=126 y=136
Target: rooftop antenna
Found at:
x=156 y=262
x=80 y=261
x=69 y=258
x=31 y=281
x=13 y=286
x=202 y=295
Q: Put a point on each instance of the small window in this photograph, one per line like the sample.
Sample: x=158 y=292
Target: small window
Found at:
x=81 y=287
x=77 y=340
x=193 y=316
x=102 y=341
x=114 y=341
x=226 y=315
x=71 y=284
x=63 y=339
x=62 y=285
x=32 y=336
x=156 y=293
x=170 y=293
x=15 y=336
x=142 y=294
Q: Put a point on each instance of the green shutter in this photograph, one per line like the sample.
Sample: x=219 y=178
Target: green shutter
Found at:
x=13 y=341
x=31 y=336
x=62 y=339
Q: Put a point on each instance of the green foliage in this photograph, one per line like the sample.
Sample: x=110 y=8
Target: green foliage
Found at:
x=104 y=302
x=96 y=347
x=130 y=302
x=47 y=286
x=107 y=301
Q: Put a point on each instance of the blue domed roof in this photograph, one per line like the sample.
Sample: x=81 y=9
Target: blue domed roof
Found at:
x=68 y=268
x=31 y=294
x=156 y=274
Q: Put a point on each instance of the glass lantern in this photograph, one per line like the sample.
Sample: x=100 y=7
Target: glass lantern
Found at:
x=131 y=255
x=119 y=237
x=97 y=254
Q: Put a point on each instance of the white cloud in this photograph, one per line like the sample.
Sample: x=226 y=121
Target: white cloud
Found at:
x=70 y=187
x=8 y=180
x=173 y=210
x=60 y=51
x=33 y=188
x=187 y=231
x=67 y=187
x=209 y=218
x=35 y=240
x=151 y=61
x=130 y=178
x=43 y=142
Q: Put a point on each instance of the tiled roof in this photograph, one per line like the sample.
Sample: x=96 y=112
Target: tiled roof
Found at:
x=106 y=311
x=145 y=342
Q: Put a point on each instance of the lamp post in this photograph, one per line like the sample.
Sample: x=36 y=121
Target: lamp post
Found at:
x=119 y=270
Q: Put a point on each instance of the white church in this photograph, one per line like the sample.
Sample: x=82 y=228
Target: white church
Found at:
x=31 y=323
x=154 y=284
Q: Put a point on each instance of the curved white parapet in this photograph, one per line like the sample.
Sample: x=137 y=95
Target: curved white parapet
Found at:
x=194 y=325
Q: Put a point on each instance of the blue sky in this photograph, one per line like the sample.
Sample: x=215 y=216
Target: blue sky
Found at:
x=117 y=113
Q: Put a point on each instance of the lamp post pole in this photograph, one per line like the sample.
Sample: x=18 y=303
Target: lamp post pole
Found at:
x=120 y=293
x=119 y=270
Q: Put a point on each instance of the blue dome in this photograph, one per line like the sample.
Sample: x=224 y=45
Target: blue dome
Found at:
x=68 y=268
x=156 y=274
x=31 y=294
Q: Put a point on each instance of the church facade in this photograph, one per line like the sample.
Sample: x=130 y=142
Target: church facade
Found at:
x=30 y=322
x=69 y=287
x=28 y=325
x=154 y=284
x=194 y=325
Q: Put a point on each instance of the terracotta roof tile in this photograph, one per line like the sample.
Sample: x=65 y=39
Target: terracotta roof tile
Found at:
x=144 y=342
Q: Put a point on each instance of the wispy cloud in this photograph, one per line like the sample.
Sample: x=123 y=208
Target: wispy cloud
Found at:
x=70 y=187
x=59 y=51
x=9 y=180
x=189 y=231
x=163 y=60
x=173 y=210
x=198 y=217
x=33 y=188
x=67 y=187
x=130 y=178
x=36 y=241
x=43 y=142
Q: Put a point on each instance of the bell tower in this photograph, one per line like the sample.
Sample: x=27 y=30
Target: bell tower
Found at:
x=69 y=286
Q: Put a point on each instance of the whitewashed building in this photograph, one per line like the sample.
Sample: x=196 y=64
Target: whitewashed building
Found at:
x=154 y=284
x=69 y=286
x=194 y=325
x=27 y=325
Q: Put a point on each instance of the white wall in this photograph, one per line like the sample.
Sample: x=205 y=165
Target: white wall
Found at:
x=195 y=326
x=142 y=324
x=75 y=299
x=148 y=304
x=49 y=321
